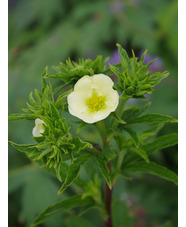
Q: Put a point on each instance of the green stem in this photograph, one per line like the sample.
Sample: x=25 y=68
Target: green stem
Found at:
x=119 y=112
x=108 y=192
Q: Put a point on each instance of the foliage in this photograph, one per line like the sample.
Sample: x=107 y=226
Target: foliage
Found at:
x=57 y=144
x=135 y=79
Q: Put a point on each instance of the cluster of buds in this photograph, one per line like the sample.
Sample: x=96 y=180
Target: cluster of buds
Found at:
x=134 y=78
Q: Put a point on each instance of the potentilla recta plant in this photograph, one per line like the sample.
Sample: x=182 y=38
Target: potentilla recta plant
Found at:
x=90 y=96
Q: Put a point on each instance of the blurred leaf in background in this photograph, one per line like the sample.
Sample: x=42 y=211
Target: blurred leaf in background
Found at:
x=44 y=33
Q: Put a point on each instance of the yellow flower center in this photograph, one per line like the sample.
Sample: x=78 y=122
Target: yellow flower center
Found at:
x=95 y=102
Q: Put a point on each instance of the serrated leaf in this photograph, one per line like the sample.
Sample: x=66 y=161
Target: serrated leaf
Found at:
x=104 y=169
x=132 y=134
x=153 y=118
x=45 y=152
x=158 y=144
x=116 y=71
x=134 y=112
x=123 y=54
x=151 y=168
x=140 y=152
x=117 y=118
x=17 y=116
x=161 y=143
x=61 y=98
x=74 y=171
x=54 y=112
x=143 y=56
x=23 y=147
x=108 y=154
x=80 y=145
x=74 y=201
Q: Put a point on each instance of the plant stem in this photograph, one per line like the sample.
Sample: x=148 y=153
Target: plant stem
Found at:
x=119 y=112
x=108 y=201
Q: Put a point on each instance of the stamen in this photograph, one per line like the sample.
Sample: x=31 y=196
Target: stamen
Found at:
x=95 y=102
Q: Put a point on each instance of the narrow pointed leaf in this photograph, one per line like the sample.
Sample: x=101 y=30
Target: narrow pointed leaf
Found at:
x=140 y=152
x=74 y=171
x=153 y=118
x=156 y=145
x=134 y=112
x=151 y=168
x=104 y=169
x=133 y=135
x=72 y=202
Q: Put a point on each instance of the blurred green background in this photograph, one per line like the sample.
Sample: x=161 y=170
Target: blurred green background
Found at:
x=43 y=33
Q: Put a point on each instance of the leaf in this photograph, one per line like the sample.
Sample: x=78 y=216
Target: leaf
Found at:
x=116 y=71
x=156 y=145
x=123 y=54
x=133 y=135
x=143 y=56
x=54 y=112
x=74 y=201
x=134 y=112
x=109 y=154
x=23 y=147
x=81 y=126
x=117 y=118
x=153 y=118
x=61 y=98
x=104 y=169
x=140 y=152
x=17 y=116
x=80 y=145
x=74 y=171
x=151 y=168
x=161 y=143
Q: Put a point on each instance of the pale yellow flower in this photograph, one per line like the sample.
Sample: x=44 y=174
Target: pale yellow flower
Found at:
x=39 y=128
x=93 y=98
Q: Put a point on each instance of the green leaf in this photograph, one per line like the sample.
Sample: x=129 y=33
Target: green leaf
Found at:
x=108 y=154
x=140 y=152
x=133 y=135
x=156 y=145
x=54 y=112
x=74 y=201
x=61 y=98
x=122 y=53
x=117 y=118
x=153 y=118
x=116 y=71
x=150 y=168
x=80 y=145
x=17 y=116
x=104 y=169
x=74 y=171
x=23 y=147
x=81 y=126
x=134 y=112
x=161 y=143
x=143 y=56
